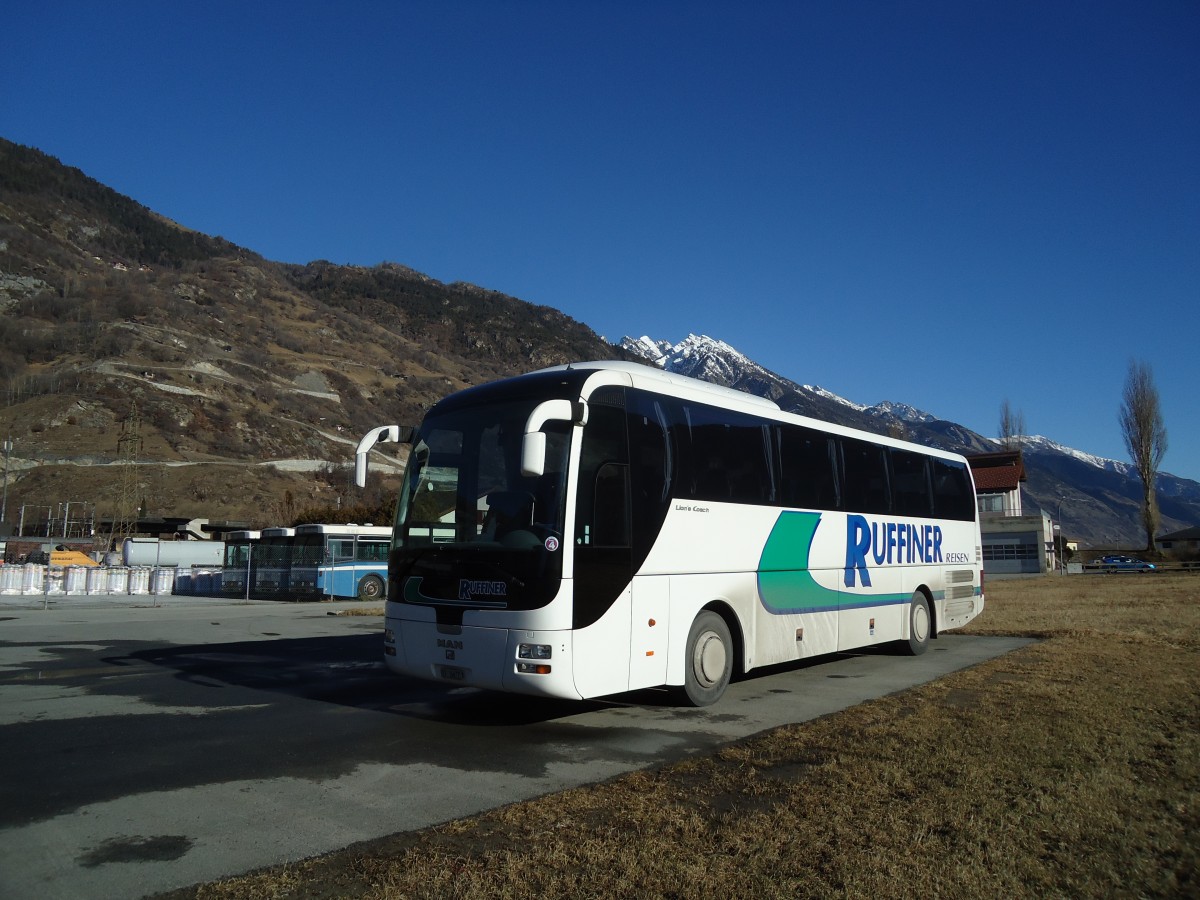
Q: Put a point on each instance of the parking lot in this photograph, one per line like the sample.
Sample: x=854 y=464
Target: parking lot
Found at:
x=157 y=742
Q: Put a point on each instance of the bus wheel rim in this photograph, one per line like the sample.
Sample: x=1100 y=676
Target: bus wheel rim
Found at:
x=710 y=658
x=920 y=622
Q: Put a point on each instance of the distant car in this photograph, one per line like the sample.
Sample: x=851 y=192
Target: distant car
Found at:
x=1126 y=563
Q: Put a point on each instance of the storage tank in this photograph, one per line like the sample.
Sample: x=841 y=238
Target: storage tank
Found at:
x=153 y=552
x=118 y=580
x=162 y=581
x=97 y=581
x=139 y=580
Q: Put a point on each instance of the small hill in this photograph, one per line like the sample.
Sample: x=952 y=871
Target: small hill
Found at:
x=250 y=380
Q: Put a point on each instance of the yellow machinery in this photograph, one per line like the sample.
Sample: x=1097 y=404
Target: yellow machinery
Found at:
x=71 y=558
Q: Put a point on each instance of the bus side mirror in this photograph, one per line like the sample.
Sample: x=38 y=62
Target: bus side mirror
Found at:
x=533 y=453
x=533 y=443
x=400 y=434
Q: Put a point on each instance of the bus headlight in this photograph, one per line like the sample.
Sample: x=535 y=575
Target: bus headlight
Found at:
x=388 y=637
x=533 y=651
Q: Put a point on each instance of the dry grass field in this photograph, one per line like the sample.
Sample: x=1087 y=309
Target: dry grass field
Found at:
x=1070 y=768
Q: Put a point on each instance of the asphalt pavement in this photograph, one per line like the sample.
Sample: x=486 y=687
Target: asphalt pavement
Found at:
x=154 y=742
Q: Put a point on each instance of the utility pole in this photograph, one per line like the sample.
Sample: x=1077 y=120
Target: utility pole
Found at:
x=8 y=445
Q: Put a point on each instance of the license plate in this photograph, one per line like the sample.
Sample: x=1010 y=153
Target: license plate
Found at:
x=453 y=673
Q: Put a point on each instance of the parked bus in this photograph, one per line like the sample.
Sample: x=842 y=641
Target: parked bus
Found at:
x=273 y=563
x=340 y=561
x=239 y=562
x=615 y=527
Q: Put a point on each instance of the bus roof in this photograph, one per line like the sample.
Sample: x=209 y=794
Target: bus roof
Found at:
x=367 y=530
x=581 y=378
x=654 y=379
x=667 y=382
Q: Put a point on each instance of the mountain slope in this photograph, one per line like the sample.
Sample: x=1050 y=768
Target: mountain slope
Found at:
x=227 y=359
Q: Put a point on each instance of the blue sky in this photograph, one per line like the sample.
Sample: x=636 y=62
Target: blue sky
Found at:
x=947 y=204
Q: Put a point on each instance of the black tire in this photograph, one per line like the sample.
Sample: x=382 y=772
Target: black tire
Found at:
x=920 y=624
x=370 y=588
x=709 y=660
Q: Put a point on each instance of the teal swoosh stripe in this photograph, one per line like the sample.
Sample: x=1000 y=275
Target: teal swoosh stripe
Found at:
x=412 y=591
x=785 y=585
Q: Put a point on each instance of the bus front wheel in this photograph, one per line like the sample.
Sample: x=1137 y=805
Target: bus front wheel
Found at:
x=709 y=660
x=370 y=588
x=920 y=624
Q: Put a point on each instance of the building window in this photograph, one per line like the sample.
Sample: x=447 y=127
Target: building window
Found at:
x=991 y=503
x=997 y=552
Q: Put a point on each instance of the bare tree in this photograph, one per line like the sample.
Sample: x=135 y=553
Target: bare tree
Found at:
x=1145 y=437
x=1012 y=426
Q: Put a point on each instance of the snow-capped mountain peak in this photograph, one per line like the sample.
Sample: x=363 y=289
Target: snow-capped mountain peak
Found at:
x=901 y=411
x=709 y=359
x=1036 y=442
x=647 y=348
x=698 y=356
x=830 y=395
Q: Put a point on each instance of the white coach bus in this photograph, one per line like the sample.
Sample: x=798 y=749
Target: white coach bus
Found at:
x=602 y=527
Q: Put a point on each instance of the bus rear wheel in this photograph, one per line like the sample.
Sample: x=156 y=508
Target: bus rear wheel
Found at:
x=370 y=588
x=709 y=660
x=920 y=624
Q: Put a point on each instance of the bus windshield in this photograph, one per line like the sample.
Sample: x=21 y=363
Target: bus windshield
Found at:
x=465 y=503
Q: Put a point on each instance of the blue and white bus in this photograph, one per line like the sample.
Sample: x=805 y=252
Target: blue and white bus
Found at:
x=602 y=527
x=340 y=561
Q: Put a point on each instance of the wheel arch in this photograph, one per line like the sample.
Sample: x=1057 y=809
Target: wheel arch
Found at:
x=687 y=604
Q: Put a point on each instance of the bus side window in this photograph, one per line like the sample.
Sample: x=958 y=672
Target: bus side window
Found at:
x=807 y=462
x=865 y=477
x=910 y=484
x=953 y=497
x=652 y=456
x=726 y=457
x=610 y=517
x=603 y=495
x=372 y=551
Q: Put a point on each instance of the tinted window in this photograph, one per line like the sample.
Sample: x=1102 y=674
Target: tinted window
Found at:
x=910 y=484
x=727 y=457
x=808 y=475
x=602 y=510
x=864 y=477
x=651 y=467
x=953 y=497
